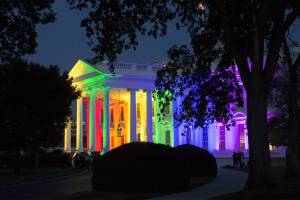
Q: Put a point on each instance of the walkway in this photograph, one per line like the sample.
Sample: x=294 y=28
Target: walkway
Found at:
x=49 y=188
x=227 y=181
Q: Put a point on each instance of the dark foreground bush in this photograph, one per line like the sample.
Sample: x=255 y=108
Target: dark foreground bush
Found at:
x=201 y=162
x=140 y=167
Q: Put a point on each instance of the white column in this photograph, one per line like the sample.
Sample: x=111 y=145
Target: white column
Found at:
x=149 y=116
x=132 y=115
x=106 y=121
x=79 y=130
x=92 y=134
x=67 y=146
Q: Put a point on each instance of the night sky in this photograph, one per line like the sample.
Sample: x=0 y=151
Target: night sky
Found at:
x=64 y=42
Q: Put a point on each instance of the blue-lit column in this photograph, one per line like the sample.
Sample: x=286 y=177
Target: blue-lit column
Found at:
x=132 y=115
x=175 y=124
x=149 y=116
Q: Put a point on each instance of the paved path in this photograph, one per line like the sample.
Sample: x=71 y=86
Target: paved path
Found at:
x=227 y=181
x=49 y=189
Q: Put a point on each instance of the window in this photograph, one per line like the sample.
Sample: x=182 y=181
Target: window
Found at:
x=242 y=136
x=205 y=138
x=112 y=142
x=122 y=113
x=222 y=144
x=112 y=118
x=122 y=140
x=101 y=115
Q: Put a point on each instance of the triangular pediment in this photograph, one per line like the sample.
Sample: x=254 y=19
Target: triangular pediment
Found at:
x=83 y=68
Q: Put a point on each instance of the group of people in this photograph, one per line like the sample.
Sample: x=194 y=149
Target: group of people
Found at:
x=80 y=160
x=238 y=159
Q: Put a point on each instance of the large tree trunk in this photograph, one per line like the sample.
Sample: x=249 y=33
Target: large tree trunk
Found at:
x=260 y=176
x=292 y=153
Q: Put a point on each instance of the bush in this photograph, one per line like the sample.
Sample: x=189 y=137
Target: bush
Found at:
x=140 y=167
x=201 y=162
x=51 y=159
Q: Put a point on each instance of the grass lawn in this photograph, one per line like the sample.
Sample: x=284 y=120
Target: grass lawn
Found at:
x=7 y=176
x=96 y=195
x=287 y=189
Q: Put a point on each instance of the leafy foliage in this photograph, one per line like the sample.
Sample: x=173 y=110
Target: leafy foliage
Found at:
x=247 y=33
x=18 y=20
x=35 y=104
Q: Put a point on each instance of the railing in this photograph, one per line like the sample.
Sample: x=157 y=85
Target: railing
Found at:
x=138 y=67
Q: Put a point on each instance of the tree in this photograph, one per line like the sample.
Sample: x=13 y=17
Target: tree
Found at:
x=18 y=20
x=285 y=98
x=35 y=104
x=248 y=33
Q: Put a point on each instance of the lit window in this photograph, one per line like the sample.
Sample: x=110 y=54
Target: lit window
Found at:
x=122 y=113
x=222 y=144
x=112 y=117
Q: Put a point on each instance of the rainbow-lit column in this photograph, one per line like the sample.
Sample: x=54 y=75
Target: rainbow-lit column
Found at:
x=149 y=116
x=79 y=130
x=67 y=146
x=106 y=121
x=92 y=134
x=132 y=115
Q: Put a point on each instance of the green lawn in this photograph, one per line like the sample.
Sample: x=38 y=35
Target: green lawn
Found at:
x=287 y=189
x=7 y=176
x=96 y=195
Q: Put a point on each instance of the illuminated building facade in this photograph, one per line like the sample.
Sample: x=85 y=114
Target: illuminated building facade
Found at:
x=119 y=108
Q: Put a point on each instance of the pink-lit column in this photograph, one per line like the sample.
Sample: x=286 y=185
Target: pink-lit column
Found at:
x=92 y=134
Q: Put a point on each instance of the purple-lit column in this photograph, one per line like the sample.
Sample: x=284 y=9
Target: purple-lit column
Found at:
x=132 y=115
x=149 y=116
x=106 y=120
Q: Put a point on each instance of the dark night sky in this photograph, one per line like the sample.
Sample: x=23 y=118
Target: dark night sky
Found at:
x=64 y=42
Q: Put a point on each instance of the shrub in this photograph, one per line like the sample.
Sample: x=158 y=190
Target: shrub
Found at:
x=140 y=167
x=201 y=162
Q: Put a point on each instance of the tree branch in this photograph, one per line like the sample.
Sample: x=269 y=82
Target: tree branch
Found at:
x=275 y=43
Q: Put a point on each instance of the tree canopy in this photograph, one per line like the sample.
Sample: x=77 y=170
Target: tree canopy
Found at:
x=18 y=20
x=35 y=104
x=248 y=34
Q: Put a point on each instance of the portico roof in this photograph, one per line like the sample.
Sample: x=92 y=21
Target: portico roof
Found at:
x=83 y=70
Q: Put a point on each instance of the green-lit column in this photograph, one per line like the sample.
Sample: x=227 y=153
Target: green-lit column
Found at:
x=149 y=116
x=106 y=121
x=92 y=122
x=156 y=121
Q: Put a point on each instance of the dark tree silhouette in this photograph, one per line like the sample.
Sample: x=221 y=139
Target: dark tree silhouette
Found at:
x=18 y=20
x=285 y=99
x=239 y=31
x=35 y=104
